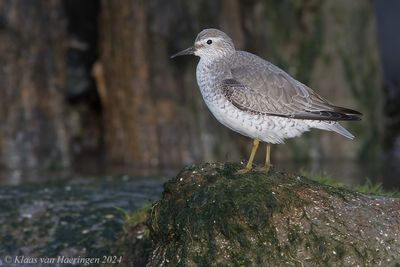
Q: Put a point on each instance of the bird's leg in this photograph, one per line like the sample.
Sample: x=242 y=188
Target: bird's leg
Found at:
x=268 y=164
x=249 y=164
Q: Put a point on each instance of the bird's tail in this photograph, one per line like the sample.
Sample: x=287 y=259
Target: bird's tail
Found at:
x=332 y=126
x=336 y=127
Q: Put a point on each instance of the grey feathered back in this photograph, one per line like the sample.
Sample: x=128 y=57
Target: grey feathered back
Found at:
x=258 y=86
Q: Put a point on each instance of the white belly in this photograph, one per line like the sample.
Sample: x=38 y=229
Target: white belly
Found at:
x=270 y=129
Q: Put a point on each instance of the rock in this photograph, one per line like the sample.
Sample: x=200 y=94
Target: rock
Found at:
x=80 y=217
x=209 y=216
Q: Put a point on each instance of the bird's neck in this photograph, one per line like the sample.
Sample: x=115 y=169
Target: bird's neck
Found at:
x=207 y=62
x=211 y=72
x=209 y=67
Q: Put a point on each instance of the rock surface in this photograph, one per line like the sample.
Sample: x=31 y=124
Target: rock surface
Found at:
x=209 y=216
x=71 y=218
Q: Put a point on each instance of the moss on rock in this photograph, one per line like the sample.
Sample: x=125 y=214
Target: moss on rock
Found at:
x=210 y=216
x=134 y=244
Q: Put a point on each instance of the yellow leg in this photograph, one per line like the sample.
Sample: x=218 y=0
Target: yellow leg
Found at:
x=268 y=164
x=249 y=165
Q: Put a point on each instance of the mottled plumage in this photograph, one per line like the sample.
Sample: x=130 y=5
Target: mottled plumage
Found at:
x=258 y=86
x=256 y=98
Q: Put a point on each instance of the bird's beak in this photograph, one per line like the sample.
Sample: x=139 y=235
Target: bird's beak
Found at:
x=188 y=51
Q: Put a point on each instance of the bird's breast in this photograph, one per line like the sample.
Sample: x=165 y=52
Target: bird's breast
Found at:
x=209 y=75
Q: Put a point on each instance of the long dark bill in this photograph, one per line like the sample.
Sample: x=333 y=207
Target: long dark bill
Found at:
x=187 y=51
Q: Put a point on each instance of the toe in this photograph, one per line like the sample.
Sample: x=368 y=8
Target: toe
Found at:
x=243 y=171
x=265 y=168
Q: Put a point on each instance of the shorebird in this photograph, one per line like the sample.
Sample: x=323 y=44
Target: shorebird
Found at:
x=255 y=98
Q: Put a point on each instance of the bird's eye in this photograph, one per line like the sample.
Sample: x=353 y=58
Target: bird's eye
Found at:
x=209 y=42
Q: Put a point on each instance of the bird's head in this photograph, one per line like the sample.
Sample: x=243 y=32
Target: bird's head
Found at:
x=210 y=44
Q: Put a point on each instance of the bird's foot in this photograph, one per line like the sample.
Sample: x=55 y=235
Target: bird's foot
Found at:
x=243 y=171
x=266 y=168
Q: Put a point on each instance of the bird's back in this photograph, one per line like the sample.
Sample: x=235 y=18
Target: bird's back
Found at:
x=259 y=86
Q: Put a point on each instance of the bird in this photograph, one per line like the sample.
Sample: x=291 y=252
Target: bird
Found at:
x=257 y=99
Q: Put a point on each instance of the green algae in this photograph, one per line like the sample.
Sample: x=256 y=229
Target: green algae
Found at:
x=227 y=208
x=138 y=216
x=368 y=187
x=134 y=244
x=224 y=203
x=210 y=216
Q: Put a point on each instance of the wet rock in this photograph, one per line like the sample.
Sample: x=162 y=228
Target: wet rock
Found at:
x=209 y=216
x=79 y=218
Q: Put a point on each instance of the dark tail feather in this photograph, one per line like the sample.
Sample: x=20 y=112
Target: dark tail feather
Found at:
x=347 y=111
x=329 y=115
x=348 y=114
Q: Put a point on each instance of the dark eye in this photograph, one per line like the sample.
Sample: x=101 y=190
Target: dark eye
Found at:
x=209 y=42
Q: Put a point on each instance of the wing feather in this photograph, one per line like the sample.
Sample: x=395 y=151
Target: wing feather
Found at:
x=265 y=89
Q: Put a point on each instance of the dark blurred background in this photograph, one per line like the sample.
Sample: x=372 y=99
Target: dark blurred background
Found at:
x=88 y=86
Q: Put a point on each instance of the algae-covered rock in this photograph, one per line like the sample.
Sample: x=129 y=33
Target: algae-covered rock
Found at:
x=209 y=216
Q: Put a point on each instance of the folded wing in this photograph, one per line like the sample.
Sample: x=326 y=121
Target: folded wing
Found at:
x=269 y=90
